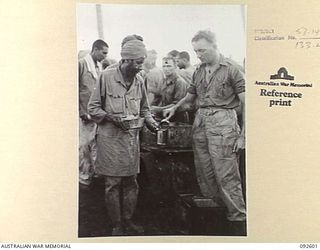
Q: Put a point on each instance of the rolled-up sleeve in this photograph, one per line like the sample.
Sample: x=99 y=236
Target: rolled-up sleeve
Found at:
x=96 y=102
x=237 y=80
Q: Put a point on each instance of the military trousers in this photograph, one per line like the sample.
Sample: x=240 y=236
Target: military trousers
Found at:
x=121 y=195
x=87 y=151
x=215 y=132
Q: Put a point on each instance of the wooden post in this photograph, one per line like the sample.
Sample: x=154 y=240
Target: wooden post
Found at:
x=100 y=21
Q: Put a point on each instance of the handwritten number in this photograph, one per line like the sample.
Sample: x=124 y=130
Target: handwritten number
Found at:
x=302 y=31
x=316 y=32
x=299 y=45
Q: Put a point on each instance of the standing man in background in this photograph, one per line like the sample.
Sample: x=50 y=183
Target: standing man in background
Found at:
x=172 y=90
x=218 y=85
x=117 y=104
x=174 y=54
x=89 y=68
x=186 y=69
x=153 y=76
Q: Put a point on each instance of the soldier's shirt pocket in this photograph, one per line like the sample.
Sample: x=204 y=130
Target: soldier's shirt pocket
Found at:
x=134 y=101
x=134 y=105
x=116 y=99
x=223 y=89
x=116 y=104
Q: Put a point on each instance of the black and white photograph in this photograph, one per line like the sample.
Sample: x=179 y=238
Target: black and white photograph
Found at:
x=161 y=120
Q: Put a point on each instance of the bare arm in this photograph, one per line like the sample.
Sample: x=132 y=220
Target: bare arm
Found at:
x=145 y=111
x=242 y=101
x=188 y=99
x=158 y=109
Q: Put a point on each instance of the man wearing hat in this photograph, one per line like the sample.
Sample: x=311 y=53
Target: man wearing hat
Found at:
x=119 y=104
x=124 y=41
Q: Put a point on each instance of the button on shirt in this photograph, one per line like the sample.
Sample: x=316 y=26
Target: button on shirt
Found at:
x=223 y=87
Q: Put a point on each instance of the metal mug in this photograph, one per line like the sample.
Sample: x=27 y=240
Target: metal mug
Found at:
x=162 y=133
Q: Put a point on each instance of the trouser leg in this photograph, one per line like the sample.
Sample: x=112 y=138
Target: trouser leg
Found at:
x=203 y=164
x=229 y=181
x=87 y=152
x=84 y=165
x=221 y=139
x=130 y=196
x=112 y=198
x=130 y=190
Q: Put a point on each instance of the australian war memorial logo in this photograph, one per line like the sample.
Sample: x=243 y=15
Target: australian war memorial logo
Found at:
x=282 y=74
x=283 y=80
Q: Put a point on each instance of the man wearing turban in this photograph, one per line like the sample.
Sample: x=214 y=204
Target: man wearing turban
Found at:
x=124 y=41
x=119 y=105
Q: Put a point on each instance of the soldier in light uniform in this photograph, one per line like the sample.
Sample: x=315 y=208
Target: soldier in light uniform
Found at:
x=218 y=85
x=172 y=90
x=89 y=70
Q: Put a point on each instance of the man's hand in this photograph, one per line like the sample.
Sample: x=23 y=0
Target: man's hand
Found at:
x=85 y=117
x=153 y=126
x=168 y=113
x=239 y=144
x=120 y=123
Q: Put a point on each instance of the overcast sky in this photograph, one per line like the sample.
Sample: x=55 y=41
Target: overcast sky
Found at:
x=163 y=27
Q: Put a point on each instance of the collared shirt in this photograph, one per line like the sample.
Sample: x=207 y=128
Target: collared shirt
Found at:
x=173 y=89
x=112 y=66
x=118 y=150
x=223 y=87
x=88 y=72
x=111 y=96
